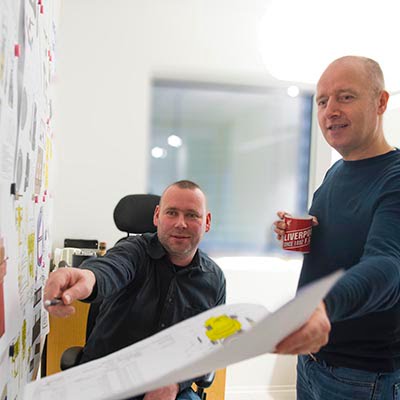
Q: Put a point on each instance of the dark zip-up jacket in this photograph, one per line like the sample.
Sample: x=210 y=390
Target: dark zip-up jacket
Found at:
x=142 y=292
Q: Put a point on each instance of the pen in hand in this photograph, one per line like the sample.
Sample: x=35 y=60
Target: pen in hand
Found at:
x=53 y=302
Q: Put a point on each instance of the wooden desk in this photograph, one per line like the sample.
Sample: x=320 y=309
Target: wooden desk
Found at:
x=71 y=331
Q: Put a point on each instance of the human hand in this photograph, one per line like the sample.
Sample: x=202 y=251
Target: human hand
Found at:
x=165 y=393
x=310 y=337
x=68 y=284
x=280 y=226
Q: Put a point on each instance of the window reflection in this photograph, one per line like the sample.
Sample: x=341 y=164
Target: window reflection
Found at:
x=247 y=147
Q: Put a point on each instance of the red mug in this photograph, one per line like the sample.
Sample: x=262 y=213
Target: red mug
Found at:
x=297 y=235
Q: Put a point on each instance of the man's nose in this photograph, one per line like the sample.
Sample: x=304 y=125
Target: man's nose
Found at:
x=180 y=221
x=332 y=109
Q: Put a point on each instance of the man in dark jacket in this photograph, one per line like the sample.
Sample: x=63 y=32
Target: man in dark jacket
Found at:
x=148 y=282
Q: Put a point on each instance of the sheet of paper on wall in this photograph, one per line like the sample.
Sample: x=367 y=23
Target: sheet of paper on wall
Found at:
x=214 y=339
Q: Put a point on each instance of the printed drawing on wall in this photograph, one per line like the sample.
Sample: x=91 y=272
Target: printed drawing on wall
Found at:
x=27 y=64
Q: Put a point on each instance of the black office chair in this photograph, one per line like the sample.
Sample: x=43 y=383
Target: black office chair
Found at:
x=133 y=215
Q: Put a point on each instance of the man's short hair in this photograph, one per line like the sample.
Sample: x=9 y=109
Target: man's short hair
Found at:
x=375 y=75
x=185 y=184
x=373 y=71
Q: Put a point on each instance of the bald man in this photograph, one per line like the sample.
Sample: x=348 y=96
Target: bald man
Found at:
x=350 y=347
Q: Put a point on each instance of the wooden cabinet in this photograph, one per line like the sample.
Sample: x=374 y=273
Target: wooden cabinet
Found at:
x=64 y=333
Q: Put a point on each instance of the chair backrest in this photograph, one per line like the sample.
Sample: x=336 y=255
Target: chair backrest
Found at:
x=134 y=213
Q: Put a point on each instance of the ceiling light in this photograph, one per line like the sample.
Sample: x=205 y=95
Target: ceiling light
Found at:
x=158 y=152
x=174 y=141
x=293 y=91
x=298 y=39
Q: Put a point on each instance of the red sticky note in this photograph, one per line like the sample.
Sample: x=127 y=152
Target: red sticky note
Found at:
x=17 y=50
x=41 y=9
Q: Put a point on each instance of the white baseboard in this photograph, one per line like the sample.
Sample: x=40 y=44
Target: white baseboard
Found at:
x=276 y=392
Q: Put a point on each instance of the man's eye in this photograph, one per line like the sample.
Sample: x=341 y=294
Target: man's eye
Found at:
x=192 y=215
x=170 y=212
x=321 y=103
x=347 y=97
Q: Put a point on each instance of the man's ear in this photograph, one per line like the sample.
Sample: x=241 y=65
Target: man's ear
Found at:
x=208 y=222
x=156 y=215
x=383 y=102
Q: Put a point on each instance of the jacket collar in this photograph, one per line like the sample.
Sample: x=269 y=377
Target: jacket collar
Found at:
x=156 y=251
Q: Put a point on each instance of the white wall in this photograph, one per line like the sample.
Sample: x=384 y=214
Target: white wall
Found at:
x=391 y=124
x=108 y=53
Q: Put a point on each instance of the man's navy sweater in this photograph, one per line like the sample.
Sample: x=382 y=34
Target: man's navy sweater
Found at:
x=358 y=209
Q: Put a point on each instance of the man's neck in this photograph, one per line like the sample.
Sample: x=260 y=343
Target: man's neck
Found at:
x=181 y=261
x=373 y=150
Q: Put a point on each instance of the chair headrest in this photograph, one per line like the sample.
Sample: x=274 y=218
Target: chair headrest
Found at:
x=134 y=213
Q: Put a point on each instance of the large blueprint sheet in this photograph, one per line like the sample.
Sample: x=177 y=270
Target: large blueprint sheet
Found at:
x=214 y=339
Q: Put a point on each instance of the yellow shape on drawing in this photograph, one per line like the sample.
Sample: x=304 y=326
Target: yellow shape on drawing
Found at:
x=23 y=338
x=18 y=218
x=221 y=327
x=31 y=254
